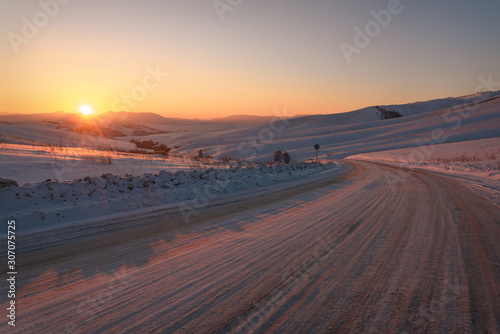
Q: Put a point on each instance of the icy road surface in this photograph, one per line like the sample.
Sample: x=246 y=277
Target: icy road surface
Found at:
x=357 y=253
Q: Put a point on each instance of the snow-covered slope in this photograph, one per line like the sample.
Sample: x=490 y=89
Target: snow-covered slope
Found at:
x=438 y=104
x=359 y=131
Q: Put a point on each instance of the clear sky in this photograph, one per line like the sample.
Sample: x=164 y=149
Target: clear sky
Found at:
x=228 y=57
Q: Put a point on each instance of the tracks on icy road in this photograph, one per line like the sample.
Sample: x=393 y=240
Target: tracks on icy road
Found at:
x=355 y=255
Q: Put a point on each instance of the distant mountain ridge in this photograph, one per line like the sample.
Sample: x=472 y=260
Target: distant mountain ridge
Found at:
x=367 y=114
x=146 y=118
x=134 y=117
x=109 y=116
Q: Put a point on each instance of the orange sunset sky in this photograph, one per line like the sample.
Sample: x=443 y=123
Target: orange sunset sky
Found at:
x=247 y=58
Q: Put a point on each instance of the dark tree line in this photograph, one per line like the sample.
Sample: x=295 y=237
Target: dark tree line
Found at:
x=281 y=157
x=151 y=145
x=388 y=114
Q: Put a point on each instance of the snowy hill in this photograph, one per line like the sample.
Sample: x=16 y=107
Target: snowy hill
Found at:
x=370 y=114
x=438 y=104
x=465 y=118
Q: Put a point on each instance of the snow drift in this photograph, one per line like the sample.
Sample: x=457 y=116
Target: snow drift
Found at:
x=45 y=204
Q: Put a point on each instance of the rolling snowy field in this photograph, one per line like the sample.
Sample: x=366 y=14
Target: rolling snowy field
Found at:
x=39 y=162
x=455 y=119
x=53 y=147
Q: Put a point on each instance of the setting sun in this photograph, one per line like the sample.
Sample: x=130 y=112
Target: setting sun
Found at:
x=86 y=110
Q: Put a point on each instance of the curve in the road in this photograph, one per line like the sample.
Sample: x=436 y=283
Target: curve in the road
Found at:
x=391 y=251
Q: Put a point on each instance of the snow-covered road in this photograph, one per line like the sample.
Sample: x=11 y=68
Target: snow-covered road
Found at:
x=352 y=253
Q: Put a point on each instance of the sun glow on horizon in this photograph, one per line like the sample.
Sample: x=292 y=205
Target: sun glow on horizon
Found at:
x=86 y=110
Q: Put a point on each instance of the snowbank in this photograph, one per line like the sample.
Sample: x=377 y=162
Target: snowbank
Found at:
x=50 y=203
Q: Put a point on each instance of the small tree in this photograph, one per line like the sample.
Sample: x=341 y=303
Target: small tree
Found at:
x=278 y=157
x=286 y=157
x=200 y=153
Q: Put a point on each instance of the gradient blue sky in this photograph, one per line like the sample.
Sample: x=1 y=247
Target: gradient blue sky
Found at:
x=264 y=55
